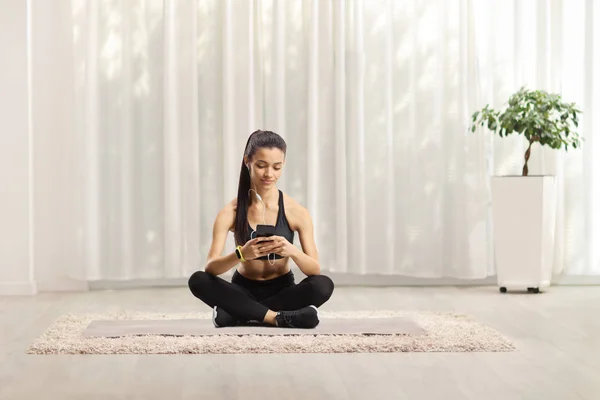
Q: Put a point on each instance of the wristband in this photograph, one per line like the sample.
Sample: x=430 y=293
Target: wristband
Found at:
x=238 y=253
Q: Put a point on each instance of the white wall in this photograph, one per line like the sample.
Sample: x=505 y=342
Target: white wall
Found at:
x=15 y=235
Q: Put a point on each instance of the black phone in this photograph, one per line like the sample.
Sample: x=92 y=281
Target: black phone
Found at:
x=265 y=230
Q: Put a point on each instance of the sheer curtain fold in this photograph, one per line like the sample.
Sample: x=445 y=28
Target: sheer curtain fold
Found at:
x=373 y=98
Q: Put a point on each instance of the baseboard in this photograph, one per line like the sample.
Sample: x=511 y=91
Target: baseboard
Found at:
x=397 y=280
x=62 y=285
x=338 y=279
x=17 y=288
x=136 y=284
x=576 y=280
x=394 y=280
x=342 y=280
x=29 y=288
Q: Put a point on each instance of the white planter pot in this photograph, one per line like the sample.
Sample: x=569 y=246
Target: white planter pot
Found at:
x=524 y=213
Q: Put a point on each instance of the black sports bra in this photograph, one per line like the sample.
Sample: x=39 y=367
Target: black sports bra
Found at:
x=282 y=228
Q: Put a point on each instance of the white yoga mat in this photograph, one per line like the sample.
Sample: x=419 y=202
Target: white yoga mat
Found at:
x=204 y=327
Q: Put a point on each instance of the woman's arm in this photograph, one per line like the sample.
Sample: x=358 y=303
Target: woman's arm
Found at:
x=217 y=264
x=307 y=259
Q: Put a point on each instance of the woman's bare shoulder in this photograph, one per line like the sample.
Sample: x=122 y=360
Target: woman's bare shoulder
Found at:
x=232 y=204
x=294 y=211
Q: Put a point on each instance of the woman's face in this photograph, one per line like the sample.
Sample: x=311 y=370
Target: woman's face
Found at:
x=266 y=166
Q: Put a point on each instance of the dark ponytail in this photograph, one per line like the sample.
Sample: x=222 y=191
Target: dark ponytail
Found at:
x=258 y=139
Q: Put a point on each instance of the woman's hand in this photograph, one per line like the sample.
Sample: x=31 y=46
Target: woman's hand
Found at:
x=252 y=248
x=278 y=245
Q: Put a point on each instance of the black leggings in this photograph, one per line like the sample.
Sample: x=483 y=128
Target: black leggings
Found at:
x=249 y=300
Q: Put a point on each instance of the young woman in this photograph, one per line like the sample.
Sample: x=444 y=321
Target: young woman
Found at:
x=263 y=287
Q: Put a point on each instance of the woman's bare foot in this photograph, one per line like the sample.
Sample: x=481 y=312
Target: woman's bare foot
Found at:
x=270 y=318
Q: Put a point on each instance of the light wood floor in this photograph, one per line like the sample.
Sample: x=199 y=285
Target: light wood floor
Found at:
x=557 y=334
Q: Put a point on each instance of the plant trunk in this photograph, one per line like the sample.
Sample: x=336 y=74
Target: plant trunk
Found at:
x=527 y=154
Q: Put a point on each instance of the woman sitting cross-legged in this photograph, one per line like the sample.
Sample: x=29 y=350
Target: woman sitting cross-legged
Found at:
x=263 y=288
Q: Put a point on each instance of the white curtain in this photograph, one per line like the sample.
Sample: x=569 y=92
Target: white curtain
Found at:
x=552 y=45
x=373 y=98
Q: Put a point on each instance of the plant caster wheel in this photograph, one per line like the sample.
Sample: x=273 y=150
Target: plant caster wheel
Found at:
x=502 y=289
x=533 y=290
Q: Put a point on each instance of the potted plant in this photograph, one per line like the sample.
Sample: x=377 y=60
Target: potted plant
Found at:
x=524 y=206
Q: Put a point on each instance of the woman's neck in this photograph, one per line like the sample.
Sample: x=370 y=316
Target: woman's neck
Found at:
x=269 y=196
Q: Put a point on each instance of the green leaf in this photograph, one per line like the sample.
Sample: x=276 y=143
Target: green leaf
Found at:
x=537 y=115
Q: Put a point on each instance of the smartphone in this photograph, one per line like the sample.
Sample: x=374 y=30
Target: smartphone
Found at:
x=265 y=230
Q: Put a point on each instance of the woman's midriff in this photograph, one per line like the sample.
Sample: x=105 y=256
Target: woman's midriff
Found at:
x=262 y=269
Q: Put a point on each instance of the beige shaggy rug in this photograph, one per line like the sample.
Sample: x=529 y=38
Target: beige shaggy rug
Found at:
x=442 y=332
